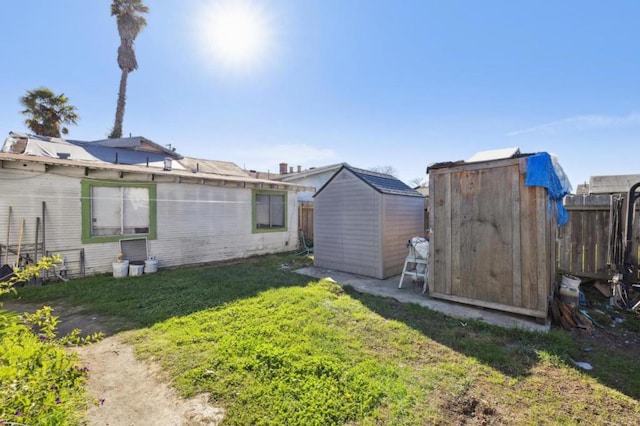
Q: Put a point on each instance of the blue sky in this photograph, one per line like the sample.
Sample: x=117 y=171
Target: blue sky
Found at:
x=371 y=82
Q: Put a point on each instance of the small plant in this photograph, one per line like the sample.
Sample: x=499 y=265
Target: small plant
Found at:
x=28 y=272
x=40 y=383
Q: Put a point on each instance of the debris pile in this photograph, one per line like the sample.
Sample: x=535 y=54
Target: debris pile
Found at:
x=603 y=304
x=569 y=316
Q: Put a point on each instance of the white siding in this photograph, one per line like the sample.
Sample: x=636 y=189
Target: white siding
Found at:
x=196 y=223
x=316 y=181
x=199 y=223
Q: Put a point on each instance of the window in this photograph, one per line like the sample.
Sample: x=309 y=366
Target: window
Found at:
x=269 y=211
x=111 y=211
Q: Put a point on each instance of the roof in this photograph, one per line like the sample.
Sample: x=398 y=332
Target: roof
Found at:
x=138 y=143
x=142 y=157
x=180 y=175
x=223 y=168
x=135 y=150
x=381 y=182
x=492 y=156
x=309 y=172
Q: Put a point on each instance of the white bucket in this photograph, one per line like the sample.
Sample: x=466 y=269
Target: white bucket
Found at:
x=570 y=289
x=570 y=282
x=150 y=266
x=135 y=270
x=120 y=269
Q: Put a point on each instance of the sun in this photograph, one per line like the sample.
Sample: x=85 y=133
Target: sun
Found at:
x=235 y=34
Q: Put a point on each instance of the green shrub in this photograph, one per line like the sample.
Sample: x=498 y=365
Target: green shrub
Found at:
x=40 y=382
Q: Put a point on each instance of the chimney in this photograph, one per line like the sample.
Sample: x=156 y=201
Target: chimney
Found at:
x=283 y=168
x=291 y=169
x=167 y=164
x=299 y=169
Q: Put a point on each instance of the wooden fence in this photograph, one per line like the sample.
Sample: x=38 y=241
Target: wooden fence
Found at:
x=305 y=219
x=591 y=243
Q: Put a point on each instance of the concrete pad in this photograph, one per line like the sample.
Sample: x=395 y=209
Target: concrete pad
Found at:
x=412 y=293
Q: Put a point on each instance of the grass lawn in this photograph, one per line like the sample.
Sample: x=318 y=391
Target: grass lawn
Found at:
x=274 y=347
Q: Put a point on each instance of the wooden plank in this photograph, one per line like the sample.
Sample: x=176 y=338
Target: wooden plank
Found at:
x=576 y=242
x=552 y=227
x=601 y=232
x=589 y=242
x=446 y=232
x=466 y=167
x=496 y=217
x=516 y=251
x=528 y=259
x=440 y=217
x=542 y=224
x=564 y=243
x=497 y=306
x=586 y=208
x=482 y=235
x=458 y=183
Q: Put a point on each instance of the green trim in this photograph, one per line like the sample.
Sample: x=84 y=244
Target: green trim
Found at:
x=85 y=194
x=254 y=227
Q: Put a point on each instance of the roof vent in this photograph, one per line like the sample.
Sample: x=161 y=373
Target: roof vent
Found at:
x=167 y=164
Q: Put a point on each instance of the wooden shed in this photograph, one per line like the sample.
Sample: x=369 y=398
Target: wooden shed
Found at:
x=363 y=221
x=493 y=240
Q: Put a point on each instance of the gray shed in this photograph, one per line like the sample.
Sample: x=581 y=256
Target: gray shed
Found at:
x=363 y=221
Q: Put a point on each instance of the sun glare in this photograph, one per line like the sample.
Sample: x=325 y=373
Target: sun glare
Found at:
x=235 y=34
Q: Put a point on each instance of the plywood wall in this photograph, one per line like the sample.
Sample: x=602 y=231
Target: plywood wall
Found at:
x=493 y=237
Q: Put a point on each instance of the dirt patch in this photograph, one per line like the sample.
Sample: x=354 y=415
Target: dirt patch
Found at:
x=125 y=390
x=131 y=392
x=69 y=317
x=469 y=410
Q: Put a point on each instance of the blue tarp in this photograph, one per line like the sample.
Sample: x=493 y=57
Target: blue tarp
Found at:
x=543 y=171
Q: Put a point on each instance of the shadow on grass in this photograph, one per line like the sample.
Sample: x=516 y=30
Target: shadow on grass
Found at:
x=138 y=302
x=141 y=301
x=512 y=352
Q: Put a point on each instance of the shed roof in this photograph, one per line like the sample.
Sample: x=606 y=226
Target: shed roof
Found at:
x=381 y=182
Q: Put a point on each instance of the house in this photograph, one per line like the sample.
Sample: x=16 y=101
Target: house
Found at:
x=91 y=200
x=312 y=178
x=315 y=178
x=363 y=220
x=494 y=231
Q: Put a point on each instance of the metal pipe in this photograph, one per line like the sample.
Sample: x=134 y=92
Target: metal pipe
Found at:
x=631 y=201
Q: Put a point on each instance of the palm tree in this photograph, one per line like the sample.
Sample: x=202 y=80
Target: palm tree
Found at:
x=130 y=23
x=45 y=112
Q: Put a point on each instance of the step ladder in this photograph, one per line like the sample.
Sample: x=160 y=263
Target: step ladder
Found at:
x=416 y=267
